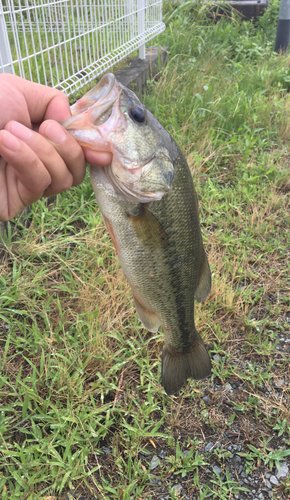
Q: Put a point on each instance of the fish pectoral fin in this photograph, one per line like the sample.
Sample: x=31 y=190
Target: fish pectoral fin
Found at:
x=178 y=367
x=111 y=233
x=149 y=319
x=147 y=228
x=204 y=282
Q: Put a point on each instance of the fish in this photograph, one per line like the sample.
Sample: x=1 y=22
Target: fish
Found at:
x=149 y=205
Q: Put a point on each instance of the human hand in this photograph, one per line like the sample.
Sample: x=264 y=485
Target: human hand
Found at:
x=38 y=157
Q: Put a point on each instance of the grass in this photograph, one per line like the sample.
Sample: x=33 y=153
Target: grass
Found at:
x=82 y=408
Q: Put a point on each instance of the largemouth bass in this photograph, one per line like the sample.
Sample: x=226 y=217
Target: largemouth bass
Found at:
x=149 y=205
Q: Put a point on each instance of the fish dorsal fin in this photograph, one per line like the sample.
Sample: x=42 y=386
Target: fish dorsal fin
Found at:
x=147 y=228
x=204 y=282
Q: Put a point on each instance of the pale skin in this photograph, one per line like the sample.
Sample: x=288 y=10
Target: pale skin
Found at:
x=38 y=157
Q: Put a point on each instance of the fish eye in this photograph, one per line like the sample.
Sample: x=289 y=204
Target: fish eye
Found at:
x=138 y=114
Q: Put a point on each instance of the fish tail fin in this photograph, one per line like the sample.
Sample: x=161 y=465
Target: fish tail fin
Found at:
x=177 y=367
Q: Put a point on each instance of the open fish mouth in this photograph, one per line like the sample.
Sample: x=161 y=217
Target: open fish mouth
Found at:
x=111 y=118
x=100 y=94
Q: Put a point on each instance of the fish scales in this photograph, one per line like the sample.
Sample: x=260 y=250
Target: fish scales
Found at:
x=158 y=241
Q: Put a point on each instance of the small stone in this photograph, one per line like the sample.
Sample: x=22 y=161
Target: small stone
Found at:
x=228 y=387
x=283 y=472
x=205 y=399
x=217 y=470
x=261 y=496
x=107 y=450
x=155 y=480
x=279 y=383
x=162 y=454
x=154 y=463
x=268 y=484
x=177 y=488
x=186 y=452
x=216 y=358
x=7 y=327
x=238 y=459
x=208 y=446
x=274 y=480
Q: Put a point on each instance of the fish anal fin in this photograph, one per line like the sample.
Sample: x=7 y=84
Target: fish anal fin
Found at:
x=178 y=367
x=204 y=282
x=149 y=319
x=147 y=228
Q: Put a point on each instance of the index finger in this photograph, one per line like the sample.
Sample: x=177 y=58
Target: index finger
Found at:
x=99 y=158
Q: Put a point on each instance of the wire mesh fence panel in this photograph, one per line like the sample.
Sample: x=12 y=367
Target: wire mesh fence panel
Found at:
x=67 y=43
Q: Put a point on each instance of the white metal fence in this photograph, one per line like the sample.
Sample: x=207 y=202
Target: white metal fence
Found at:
x=67 y=43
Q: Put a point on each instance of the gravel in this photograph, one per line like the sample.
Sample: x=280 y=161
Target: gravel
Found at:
x=283 y=472
x=208 y=446
x=260 y=484
x=274 y=480
x=177 y=488
x=154 y=462
x=217 y=470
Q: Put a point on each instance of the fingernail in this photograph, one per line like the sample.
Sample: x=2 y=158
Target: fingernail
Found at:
x=9 y=141
x=55 y=133
x=20 y=131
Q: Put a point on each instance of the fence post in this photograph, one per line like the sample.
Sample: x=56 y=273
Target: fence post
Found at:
x=130 y=8
x=5 y=52
x=283 y=27
x=141 y=25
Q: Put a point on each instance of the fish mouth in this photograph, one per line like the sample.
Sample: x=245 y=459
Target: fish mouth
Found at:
x=99 y=122
x=92 y=111
x=98 y=94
